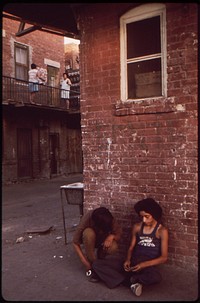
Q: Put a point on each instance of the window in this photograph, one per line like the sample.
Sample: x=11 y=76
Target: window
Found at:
x=21 y=62
x=143 y=62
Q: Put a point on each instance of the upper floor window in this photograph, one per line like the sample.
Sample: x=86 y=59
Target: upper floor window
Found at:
x=21 y=61
x=143 y=54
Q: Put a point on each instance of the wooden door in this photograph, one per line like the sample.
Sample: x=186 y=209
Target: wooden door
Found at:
x=53 y=81
x=54 y=152
x=75 y=151
x=24 y=153
x=53 y=76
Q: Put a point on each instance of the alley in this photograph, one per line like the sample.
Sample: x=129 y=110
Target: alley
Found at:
x=38 y=266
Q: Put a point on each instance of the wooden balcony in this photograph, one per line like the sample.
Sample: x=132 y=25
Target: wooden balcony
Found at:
x=16 y=92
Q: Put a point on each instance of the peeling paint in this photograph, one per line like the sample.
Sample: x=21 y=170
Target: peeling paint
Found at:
x=109 y=144
x=185 y=213
x=134 y=136
x=180 y=107
x=13 y=152
x=183 y=146
x=195 y=42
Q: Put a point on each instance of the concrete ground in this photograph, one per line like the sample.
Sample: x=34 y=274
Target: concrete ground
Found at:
x=38 y=266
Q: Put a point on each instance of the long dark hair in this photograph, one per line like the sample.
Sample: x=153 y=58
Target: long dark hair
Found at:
x=102 y=219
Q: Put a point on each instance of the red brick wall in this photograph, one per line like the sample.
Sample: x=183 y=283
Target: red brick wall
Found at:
x=42 y=45
x=144 y=149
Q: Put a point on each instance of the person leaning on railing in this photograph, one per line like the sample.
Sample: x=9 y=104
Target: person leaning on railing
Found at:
x=33 y=82
x=65 y=88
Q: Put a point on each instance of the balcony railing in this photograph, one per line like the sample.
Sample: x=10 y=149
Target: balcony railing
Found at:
x=16 y=92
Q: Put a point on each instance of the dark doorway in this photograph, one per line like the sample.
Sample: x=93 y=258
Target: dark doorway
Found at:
x=54 y=152
x=53 y=76
x=24 y=153
x=53 y=81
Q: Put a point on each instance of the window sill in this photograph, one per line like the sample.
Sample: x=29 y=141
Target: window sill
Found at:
x=147 y=106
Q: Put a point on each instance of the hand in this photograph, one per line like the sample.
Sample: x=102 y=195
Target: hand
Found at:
x=88 y=266
x=108 y=242
x=137 y=267
x=127 y=266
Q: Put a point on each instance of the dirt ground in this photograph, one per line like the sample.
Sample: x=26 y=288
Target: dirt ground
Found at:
x=38 y=266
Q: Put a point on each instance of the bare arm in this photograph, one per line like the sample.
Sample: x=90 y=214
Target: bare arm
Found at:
x=127 y=263
x=77 y=239
x=82 y=257
x=69 y=81
x=114 y=235
x=164 y=252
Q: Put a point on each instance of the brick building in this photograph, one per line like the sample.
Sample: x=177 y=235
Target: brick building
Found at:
x=139 y=114
x=41 y=140
x=138 y=79
x=71 y=55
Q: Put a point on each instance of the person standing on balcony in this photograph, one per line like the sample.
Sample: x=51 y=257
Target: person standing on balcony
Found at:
x=65 y=89
x=33 y=82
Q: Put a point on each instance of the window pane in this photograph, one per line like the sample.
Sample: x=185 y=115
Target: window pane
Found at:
x=21 y=73
x=143 y=37
x=21 y=62
x=21 y=55
x=144 y=79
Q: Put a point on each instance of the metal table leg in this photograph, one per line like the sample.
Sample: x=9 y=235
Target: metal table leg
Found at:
x=78 y=201
x=63 y=215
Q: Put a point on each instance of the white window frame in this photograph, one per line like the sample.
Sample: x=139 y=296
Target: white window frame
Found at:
x=25 y=66
x=142 y=12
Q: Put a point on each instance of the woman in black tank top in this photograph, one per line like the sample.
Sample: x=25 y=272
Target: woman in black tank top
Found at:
x=148 y=247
